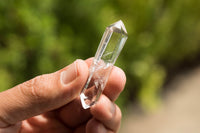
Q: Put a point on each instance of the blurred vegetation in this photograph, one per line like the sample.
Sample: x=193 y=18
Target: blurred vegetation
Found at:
x=39 y=37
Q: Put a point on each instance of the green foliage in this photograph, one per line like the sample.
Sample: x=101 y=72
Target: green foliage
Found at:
x=39 y=37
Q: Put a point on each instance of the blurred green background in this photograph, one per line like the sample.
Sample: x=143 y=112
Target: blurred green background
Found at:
x=38 y=37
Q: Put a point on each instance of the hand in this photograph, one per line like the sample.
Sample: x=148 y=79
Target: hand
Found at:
x=50 y=104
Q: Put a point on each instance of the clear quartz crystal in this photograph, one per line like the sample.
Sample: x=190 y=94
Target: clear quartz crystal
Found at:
x=109 y=49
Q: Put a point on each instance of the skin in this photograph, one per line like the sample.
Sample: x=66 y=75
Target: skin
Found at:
x=50 y=103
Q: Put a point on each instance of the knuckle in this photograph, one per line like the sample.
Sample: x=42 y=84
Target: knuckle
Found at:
x=28 y=89
x=33 y=88
x=39 y=90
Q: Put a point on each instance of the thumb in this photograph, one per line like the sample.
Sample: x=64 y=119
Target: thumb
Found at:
x=42 y=94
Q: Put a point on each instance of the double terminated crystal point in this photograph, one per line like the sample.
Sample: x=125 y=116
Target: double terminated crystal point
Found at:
x=109 y=49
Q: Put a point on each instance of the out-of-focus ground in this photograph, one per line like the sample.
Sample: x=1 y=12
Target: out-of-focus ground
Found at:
x=179 y=113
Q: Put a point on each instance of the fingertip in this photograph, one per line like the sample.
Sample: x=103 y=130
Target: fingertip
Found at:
x=118 y=72
x=94 y=126
x=107 y=112
x=104 y=109
x=116 y=83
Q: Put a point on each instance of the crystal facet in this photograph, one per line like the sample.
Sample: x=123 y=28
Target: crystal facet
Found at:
x=109 y=49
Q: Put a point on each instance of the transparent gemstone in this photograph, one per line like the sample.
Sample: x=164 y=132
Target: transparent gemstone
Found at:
x=107 y=53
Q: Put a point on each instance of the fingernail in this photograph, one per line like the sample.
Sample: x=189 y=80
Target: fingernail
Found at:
x=70 y=74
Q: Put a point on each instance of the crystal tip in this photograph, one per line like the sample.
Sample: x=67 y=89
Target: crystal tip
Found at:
x=120 y=26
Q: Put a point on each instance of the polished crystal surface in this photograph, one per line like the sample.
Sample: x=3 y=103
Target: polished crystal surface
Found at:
x=106 y=55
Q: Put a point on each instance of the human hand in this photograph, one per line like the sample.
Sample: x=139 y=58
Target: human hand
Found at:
x=50 y=104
